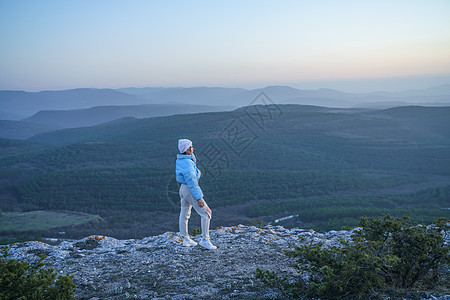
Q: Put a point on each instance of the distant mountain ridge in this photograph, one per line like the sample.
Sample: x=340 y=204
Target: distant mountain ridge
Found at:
x=29 y=103
x=288 y=95
x=295 y=117
x=196 y=95
x=101 y=114
x=18 y=130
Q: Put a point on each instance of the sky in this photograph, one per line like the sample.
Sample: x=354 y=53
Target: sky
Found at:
x=349 y=45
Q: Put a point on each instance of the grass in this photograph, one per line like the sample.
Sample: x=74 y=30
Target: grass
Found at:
x=42 y=220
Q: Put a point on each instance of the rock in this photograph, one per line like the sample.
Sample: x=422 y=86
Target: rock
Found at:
x=159 y=267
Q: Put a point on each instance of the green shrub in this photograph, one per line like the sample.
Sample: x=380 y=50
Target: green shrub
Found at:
x=417 y=249
x=259 y=224
x=196 y=231
x=24 y=280
x=385 y=253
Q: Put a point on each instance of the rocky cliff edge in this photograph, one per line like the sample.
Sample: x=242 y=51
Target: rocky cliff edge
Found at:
x=159 y=267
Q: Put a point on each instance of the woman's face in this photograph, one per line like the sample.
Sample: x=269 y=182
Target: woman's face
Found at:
x=190 y=150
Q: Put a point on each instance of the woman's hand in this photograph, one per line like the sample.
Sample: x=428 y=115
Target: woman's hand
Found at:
x=202 y=203
x=208 y=210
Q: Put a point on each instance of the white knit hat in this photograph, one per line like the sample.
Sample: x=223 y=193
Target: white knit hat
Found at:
x=183 y=145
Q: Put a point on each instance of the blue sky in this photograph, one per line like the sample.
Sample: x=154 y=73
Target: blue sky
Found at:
x=348 y=45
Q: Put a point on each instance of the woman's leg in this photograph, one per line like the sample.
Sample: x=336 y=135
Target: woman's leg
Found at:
x=205 y=216
x=185 y=214
x=205 y=222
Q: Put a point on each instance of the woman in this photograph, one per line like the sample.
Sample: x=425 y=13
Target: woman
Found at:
x=191 y=195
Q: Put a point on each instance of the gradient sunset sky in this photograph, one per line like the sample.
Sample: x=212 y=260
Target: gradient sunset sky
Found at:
x=348 y=45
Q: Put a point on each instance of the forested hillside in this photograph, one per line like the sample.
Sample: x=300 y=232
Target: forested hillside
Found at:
x=328 y=166
x=22 y=130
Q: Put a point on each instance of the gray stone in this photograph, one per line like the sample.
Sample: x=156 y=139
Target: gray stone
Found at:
x=159 y=267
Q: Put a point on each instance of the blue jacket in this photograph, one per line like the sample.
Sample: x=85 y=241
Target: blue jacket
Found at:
x=188 y=173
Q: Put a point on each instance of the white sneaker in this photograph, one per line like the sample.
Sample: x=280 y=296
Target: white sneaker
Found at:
x=188 y=242
x=207 y=244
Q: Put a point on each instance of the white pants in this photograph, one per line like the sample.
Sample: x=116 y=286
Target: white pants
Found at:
x=187 y=202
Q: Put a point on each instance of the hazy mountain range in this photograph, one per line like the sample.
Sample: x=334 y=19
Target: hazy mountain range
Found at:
x=25 y=104
x=49 y=110
x=101 y=114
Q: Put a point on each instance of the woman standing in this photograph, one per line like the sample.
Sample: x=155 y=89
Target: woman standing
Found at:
x=191 y=195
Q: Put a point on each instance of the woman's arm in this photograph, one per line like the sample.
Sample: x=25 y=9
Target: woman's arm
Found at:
x=192 y=183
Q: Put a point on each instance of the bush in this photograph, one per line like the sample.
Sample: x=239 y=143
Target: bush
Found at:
x=417 y=249
x=384 y=253
x=196 y=231
x=22 y=280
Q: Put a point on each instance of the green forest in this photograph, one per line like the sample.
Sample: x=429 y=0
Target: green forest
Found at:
x=328 y=167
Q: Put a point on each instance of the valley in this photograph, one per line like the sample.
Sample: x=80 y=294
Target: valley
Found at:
x=333 y=165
